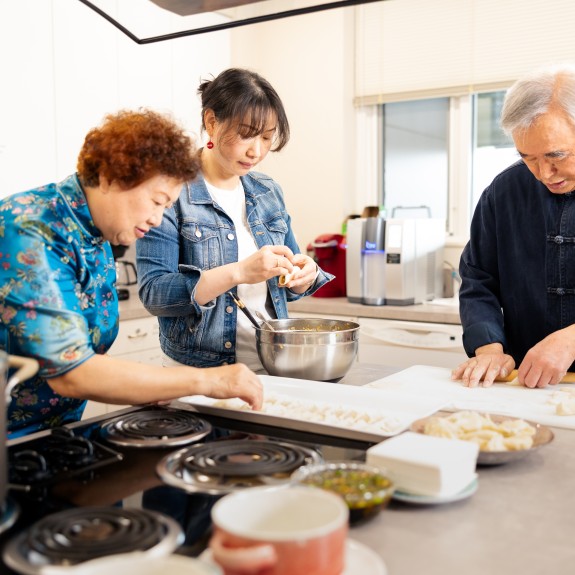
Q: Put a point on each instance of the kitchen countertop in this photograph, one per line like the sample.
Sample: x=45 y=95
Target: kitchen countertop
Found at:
x=132 y=308
x=426 y=312
x=518 y=521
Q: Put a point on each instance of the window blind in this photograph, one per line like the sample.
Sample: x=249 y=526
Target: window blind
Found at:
x=408 y=49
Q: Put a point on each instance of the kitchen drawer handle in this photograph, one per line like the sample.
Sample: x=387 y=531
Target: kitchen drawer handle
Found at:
x=138 y=334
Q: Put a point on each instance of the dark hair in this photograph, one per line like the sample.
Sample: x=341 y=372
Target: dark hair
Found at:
x=133 y=146
x=239 y=96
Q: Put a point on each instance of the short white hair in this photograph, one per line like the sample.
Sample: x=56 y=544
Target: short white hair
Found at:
x=532 y=96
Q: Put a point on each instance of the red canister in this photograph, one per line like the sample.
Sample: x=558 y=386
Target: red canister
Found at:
x=328 y=250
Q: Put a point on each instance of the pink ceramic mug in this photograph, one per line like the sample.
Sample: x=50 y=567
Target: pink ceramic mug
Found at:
x=296 y=530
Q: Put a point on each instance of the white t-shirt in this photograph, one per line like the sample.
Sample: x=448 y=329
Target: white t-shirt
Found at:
x=253 y=295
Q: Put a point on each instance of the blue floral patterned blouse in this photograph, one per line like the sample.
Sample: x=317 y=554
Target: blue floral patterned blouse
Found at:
x=58 y=301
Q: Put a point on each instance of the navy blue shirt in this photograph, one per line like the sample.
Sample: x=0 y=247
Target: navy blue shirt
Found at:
x=518 y=269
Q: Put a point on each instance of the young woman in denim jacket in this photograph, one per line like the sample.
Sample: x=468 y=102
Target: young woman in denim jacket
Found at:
x=228 y=231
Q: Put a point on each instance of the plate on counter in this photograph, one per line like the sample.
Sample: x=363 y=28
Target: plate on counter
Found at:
x=337 y=410
x=359 y=559
x=542 y=436
x=414 y=499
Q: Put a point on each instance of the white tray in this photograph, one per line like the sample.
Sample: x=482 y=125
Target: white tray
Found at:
x=398 y=409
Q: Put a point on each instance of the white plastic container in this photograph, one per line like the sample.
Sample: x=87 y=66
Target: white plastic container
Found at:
x=426 y=465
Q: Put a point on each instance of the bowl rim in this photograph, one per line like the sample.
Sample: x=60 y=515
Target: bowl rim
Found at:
x=354 y=326
x=311 y=469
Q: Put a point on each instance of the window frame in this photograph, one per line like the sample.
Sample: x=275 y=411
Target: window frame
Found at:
x=460 y=158
x=460 y=166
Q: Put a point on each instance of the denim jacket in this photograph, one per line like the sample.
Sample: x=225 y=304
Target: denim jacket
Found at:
x=195 y=235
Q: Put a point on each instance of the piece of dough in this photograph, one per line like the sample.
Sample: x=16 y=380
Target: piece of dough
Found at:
x=518 y=443
x=509 y=435
x=566 y=406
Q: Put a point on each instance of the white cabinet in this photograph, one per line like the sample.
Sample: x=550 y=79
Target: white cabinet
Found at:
x=138 y=340
x=95 y=408
x=406 y=343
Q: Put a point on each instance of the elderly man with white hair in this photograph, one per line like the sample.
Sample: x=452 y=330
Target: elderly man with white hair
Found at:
x=517 y=298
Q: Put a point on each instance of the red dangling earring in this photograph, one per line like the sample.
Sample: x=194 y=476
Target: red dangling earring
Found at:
x=210 y=145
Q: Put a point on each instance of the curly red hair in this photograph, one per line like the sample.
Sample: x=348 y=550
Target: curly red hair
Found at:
x=130 y=147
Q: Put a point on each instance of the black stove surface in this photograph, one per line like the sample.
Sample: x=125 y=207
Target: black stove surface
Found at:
x=126 y=477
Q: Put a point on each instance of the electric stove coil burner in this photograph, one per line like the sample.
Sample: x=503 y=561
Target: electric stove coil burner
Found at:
x=155 y=428
x=60 y=454
x=73 y=536
x=224 y=466
x=28 y=466
x=63 y=445
x=243 y=458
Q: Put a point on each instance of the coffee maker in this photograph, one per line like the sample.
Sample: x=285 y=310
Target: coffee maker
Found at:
x=126 y=274
x=365 y=260
x=394 y=261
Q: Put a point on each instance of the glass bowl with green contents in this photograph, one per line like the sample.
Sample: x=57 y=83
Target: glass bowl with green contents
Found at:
x=365 y=488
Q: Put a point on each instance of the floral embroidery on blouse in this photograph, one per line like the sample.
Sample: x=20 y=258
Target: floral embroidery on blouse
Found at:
x=58 y=301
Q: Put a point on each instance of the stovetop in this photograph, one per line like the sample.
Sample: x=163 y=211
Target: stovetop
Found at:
x=86 y=475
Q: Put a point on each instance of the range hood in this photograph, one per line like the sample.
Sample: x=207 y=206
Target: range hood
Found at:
x=189 y=17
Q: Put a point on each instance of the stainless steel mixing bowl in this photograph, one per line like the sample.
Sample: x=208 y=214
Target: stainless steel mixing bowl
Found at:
x=318 y=349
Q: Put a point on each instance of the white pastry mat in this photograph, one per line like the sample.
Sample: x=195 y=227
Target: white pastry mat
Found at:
x=537 y=405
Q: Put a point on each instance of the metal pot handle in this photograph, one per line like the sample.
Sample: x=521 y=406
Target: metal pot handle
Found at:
x=27 y=367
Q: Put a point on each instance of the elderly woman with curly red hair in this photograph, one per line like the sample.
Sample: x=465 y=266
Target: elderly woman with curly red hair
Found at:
x=58 y=301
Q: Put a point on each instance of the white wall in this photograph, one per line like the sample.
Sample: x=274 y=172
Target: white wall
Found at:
x=63 y=67
x=309 y=61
